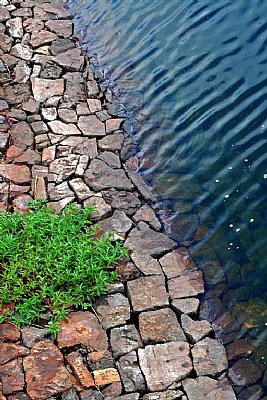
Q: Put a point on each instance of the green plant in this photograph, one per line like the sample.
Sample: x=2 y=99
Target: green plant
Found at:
x=52 y=261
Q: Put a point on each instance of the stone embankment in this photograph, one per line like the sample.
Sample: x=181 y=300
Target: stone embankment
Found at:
x=60 y=140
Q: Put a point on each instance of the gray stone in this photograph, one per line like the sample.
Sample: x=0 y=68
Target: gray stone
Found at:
x=99 y=176
x=4 y=14
x=245 y=372
x=113 y=124
x=141 y=186
x=146 y=264
x=165 y=364
x=61 y=46
x=50 y=70
x=22 y=51
x=121 y=200
x=130 y=373
x=49 y=114
x=209 y=357
x=4 y=137
x=94 y=105
x=60 y=192
x=168 y=395
x=113 y=310
x=103 y=210
x=111 y=159
x=147 y=293
x=71 y=60
x=146 y=241
x=85 y=146
x=91 y=126
x=82 y=109
x=81 y=190
x=5 y=45
x=184 y=227
x=60 y=128
x=62 y=28
x=67 y=115
x=92 y=89
x=15 y=27
x=50 y=11
x=160 y=326
x=45 y=88
x=75 y=87
x=131 y=396
x=39 y=127
x=70 y=395
x=82 y=165
x=32 y=335
x=188 y=306
x=40 y=38
x=111 y=142
x=208 y=389
x=195 y=330
x=118 y=225
x=146 y=214
x=22 y=72
x=124 y=339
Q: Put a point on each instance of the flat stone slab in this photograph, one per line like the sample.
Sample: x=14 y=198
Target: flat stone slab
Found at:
x=188 y=306
x=165 y=364
x=113 y=310
x=177 y=263
x=209 y=357
x=208 y=389
x=60 y=128
x=91 y=126
x=16 y=173
x=195 y=330
x=43 y=89
x=186 y=285
x=12 y=377
x=130 y=372
x=124 y=339
x=168 y=395
x=118 y=225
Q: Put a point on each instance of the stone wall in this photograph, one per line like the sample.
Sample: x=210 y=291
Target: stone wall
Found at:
x=60 y=140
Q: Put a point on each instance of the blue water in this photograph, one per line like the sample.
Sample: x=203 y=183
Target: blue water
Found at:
x=192 y=75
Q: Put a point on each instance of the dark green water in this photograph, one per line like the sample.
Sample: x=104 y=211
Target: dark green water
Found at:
x=193 y=75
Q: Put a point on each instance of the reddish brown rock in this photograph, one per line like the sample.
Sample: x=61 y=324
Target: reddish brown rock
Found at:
x=29 y=157
x=22 y=135
x=45 y=372
x=19 y=396
x=5 y=43
x=127 y=271
x=195 y=330
x=43 y=89
x=42 y=37
x=111 y=142
x=81 y=373
x=209 y=357
x=146 y=264
x=177 y=263
x=103 y=210
x=94 y=105
x=33 y=24
x=208 y=389
x=10 y=351
x=239 y=347
x=39 y=188
x=62 y=28
x=124 y=339
x=12 y=376
x=4 y=14
x=15 y=94
x=146 y=214
x=147 y=293
x=160 y=326
x=121 y=200
x=15 y=173
x=186 y=285
x=119 y=224
x=91 y=126
x=9 y=333
x=106 y=376
x=13 y=152
x=50 y=11
x=113 y=310
x=188 y=306
x=113 y=124
x=165 y=364
x=71 y=60
x=21 y=203
x=112 y=390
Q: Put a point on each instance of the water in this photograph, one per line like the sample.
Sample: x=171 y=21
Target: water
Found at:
x=192 y=75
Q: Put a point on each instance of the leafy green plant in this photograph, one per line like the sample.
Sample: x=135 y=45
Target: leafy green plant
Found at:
x=52 y=261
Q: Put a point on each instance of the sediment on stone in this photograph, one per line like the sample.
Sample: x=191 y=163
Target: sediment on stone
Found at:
x=60 y=139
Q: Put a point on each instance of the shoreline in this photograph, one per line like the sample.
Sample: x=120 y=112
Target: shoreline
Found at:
x=60 y=141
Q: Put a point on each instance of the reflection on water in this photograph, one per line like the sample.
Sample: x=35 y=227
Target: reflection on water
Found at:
x=193 y=73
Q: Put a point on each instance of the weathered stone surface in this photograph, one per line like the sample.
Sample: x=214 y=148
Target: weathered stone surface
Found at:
x=141 y=186
x=21 y=203
x=29 y=157
x=103 y=210
x=195 y=330
x=48 y=155
x=111 y=159
x=45 y=372
x=5 y=45
x=16 y=114
x=186 y=285
x=60 y=128
x=165 y=364
x=81 y=190
x=15 y=28
x=106 y=376
x=22 y=72
x=19 y=396
x=3 y=105
x=100 y=176
x=113 y=124
x=58 y=206
x=168 y=395
x=111 y=142
x=50 y=11
x=113 y=310
x=49 y=114
x=32 y=335
x=75 y=87
x=71 y=60
x=237 y=348
x=147 y=293
x=119 y=224
x=146 y=214
x=131 y=396
x=45 y=88
x=22 y=51
x=209 y=357
x=91 y=126
x=50 y=70
x=67 y=115
x=64 y=167
x=130 y=373
x=62 y=28
x=12 y=376
x=92 y=88
x=9 y=332
x=60 y=192
x=70 y=395
x=10 y=351
x=13 y=152
x=115 y=287
x=245 y=372
x=82 y=165
x=121 y=200
x=124 y=339
x=82 y=109
x=4 y=14
x=4 y=137
x=112 y=391
x=208 y=389
x=94 y=105
x=31 y=106
x=61 y=46
x=15 y=173
x=17 y=190
x=33 y=24
x=39 y=38
x=82 y=146
x=22 y=135
x=146 y=264
x=81 y=373
x=160 y=326
x=177 y=263
x=127 y=271
x=39 y=171
x=188 y=306
x=146 y=241
x=15 y=94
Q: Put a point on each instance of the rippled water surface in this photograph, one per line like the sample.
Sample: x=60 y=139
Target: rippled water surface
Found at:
x=194 y=74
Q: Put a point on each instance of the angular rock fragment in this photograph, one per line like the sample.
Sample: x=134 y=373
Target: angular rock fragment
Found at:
x=12 y=377
x=124 y=339
x=32 y=335
x=168 y=395
x=209 y=357
x=75 y=87
x=10 y=351
x=4 y=14
x=118 y=225
x=49 y=154
x=113 y=124
x=195 y=330
x=60 y=192
x=177 y=263
x=60 y=128
x=21 y=203
x=39 y=38
x=49 y=114
x=146 y=264
x=106 y=376
x=22 y=51
x=22 y=72
x=91 y=126
x=111 y=159
x=208 y=389
x=71 y=60
x=245 y=372
x=103 y=210
x=33 y=24
x=15 y=28
x=81 y=190
x=58 y=206
x=43 y=89
x=16 y=173
x=188 y=306
x=50 y=70
x=130 y=373
x=50 y=11
x=67 y=115
x=29 y=157
x=121 y=200
x=62 y=28
x=64 y=167
x=9 y=332
x=16 y=94
x=81 y=373
x=113 y=310
x=82 y=165
x=94 y=105
x=186 y=285
x=22 y=135
x=111 y=143
x=141 y=186
x=146 y=214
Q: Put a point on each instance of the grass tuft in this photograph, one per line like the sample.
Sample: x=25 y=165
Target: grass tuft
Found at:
x=52 y=261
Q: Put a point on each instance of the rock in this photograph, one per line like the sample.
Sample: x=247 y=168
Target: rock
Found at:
x=94 y=105
x=22 y=135
x=31 y=106
x=4 y=137
x=75 y=87
x=113 y=124
x=58 y=206
x=60 y=128
x=121 y=200
x=111 y=143
x=82 y=109
x=252 y=393
x=13 y=152
x=12 y=376
x=16 y=190
x=39 y=171
x=209 y=357
x=91 y=395
x=15 y=94
x=5 y=45
x=45 y=88
x=131 y=396
x=115 y=287
x=177 y=263
x=3 y=105
x=21 y=203
x=146 y=241
x=92 y=89
x=16 y=114
x=71 y=60
x=103 y=210
x=112 y=390
x=45 y=372
x=64 y=167
x=208 y=389
x=106 y=376
x=50 y=70
x=48 y=155
x=60 y=192
x=61 y=46
x=238 y=348
x=124 y=339
x=81 y=190
x=9 y=332
x=111 y=159
x=127 y=271
x=168 y=395
x=82 y=165
x=91 y=126
x=29 y=157
x=15 y=28
x=33 y=25
x=62 y=28
x=188 y=306
x=19 y=396
x=49 y=114
x=22 y=51
x=113 y=310
x=100 y=176
x=165 y=364
x=39 y=189
x=50 y=11
x=39 y=38
x=186 y=285
x=22 y=72
x=184 y=227
x=160 y=326
x=146 y=264
x=147 y=293
x=4 y=14
x=81 y=373
x=141 y=186
x=130 y=373
x=16 y=173
x=10 y=351
x=195 y=330
x=67 y=115
x=146 y=214
x=70 y=395
x=84 y=146
x=118 y=225
x=245 y=372
x=31 y=335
